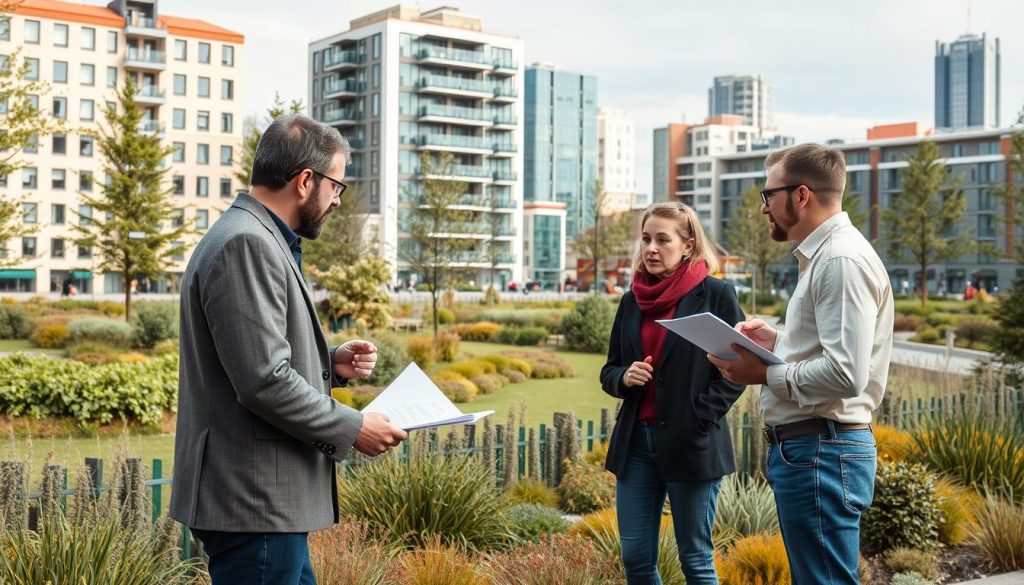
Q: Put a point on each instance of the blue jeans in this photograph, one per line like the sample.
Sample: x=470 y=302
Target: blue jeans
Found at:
x=257 y=558
x=823 y=483
x=639 y=499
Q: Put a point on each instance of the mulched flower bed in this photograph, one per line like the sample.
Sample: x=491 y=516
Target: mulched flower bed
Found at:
x=956 y=564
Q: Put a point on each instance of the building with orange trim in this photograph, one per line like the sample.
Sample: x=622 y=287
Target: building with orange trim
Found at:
x=188 y=75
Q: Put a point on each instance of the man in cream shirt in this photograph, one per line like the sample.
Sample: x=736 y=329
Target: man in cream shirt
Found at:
x=836 y=345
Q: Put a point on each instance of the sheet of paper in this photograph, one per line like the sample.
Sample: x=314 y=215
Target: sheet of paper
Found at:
x=413 y=401
x=716 y=337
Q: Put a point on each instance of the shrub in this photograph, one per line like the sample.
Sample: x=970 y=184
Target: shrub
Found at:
x=746 y=507
x=153 y=323
x=110 y=308
x=488 y=383
x=363 y=395
x=976 y=329
x=893 y=444
x=759 y=559
x=350 y=553
x=555 y=560
x=14 y=324
x=603 y=529
x=910 y=579
x=520 y=365
x=342 y=395
x=547 y=318
x=598 y=455
x=909 y=560
x=165 y=347
x=491 y=296
x=421 y=351
x=455 y=386
x=1000 y=533
x=445 y=316
x=447 y=346
x=439 y=563
x=449 y=497
x=472 y=368
x=528 y=522
x=532 y=491
x=938 y=320
x=90 y=352
x=132 y=357
x=906 y=323
x=957 y=504
x=905 y=511
x=514 y=376
x=500 y=362
x=109 y=331
x=483 y=331
x=585 y=488
x=391 y=360
x=926 y=335
x=588 y=325
x=543 y=364
x=50 y=334
x=522 y=335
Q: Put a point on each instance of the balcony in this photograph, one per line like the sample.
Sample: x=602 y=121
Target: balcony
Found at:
x=339 y=60
x=505 y=68
x=470 y=173
x=355 y=143
x=505 y=94
x=455 y=115
x=143 y=26
x=505 y=120
x=354 y=171
x=504 y=149
x=505 y=176
x=343 y=88
x=150 y=94
x=343 y=117
x=454 y=58
x=151 y=127
x=467 y=144
x=145 y=59
x=455 y=86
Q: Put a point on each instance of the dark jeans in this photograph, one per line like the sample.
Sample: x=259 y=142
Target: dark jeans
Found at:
x=257 y=558
x=639 y=499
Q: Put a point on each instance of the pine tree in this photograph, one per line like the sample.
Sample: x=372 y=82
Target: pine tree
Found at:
x=1009 y=344
x=126 y=231
x=749 y=238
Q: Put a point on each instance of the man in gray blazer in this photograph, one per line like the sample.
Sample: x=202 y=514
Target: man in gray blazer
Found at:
x=258 y=433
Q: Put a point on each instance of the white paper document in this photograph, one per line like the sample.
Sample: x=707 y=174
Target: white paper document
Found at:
x=716 y=337
x=413 y=401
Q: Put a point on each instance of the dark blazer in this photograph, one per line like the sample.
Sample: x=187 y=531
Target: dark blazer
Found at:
x=692 y=438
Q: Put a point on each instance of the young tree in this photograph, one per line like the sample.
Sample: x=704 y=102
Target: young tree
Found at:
x=608 y=236
x=920 y=220
x=343 y=239
x=127 y=228
x=357 y=292
x=749 y=238
x=253 y=131
x=432 y=226
x=1009 y=344
x=851 y=205
x=22 y=124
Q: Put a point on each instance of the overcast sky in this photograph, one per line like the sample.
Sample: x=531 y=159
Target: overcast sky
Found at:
x=837 y=66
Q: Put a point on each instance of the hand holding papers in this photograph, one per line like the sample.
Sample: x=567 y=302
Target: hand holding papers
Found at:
x=714 y=336
x=412 y=401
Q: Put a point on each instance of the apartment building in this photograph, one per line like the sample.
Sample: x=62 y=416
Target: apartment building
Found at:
x=401 y=82
x=748 y=96
x=967 y=83
x=188 y=75
x=616 y=144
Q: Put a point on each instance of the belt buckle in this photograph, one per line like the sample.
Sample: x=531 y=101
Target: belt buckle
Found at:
x=767 y=432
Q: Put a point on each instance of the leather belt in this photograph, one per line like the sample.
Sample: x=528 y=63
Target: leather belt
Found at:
x=811 y=426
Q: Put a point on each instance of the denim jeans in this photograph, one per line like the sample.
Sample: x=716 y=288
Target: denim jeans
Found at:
x=639 y=499
x=823 y=483
x=257 y=558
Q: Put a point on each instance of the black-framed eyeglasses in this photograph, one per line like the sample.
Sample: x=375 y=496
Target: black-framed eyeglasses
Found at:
x=339 y=187
x=766 y=194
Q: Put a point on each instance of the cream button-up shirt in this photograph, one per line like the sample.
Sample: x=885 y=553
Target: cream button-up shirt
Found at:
x=838 y=332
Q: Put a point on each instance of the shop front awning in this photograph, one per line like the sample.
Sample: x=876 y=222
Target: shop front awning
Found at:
x=81 y=274
x=10 y=274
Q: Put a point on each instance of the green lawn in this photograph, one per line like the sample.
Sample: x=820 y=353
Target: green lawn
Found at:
x=24 y=345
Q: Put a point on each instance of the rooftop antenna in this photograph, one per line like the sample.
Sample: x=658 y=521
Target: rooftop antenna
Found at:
x=968 y=5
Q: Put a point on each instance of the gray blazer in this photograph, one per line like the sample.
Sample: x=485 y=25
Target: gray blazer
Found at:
x=258 y=432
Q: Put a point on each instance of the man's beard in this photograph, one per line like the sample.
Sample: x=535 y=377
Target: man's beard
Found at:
x=311 y=221
x=777 y=232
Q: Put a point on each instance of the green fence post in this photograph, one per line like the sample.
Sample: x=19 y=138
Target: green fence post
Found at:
x=590 y=436
x=95 y=467
x=542 y=447
x=158 y=467
x=521 y=451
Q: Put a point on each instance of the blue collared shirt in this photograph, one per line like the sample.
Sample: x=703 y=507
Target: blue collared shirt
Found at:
x=290 y=237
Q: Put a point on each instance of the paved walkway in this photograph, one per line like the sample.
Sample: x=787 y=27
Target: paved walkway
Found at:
x=1015 y=578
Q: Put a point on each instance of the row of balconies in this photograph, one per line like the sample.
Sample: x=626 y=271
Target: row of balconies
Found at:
x=467 y=200
x=467 y=87
x=467 y=143
x=475 y=173
x=348 y=58
x=474 y=116
x=469 y=230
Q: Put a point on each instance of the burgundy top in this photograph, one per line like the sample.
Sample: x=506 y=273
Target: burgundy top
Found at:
x=652 y=338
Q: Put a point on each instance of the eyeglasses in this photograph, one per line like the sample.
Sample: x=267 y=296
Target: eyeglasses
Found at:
x=767 y=193
x=339 y=187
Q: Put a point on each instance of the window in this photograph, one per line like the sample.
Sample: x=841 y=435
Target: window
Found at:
x=225 y=187
x=29 y=178
x=57 y=214
x=88 y=38
x=58 y=179
x=178 y=182
x=179 y=152
x=86 y=110
x=30 y=212
x=375 y=75
x=203 y=121
x=111 y=41
x=85 y=145
x=202 y=219
x=28 y=247
x=177 y=251
x=180 y=50
x=57 y=248
x=60 y=144
x=375 y=46
x=84 y=215
x=111 y=77
x=203 y=154
x=202 y=186
x=5 y=28
x=33 y=144
x=227 y=55
x=375 y=105
x=87 y=74
x=227 y=123
x=60 y=35
x=84 y=252
x=60 y=71
x=177 y=218
x=204 y=52
x=179 y=84
x=227 y=89
x=178 y=119
x=32 y=32
x=60 y=108
x=85 y=181
x=32 y=74
x=225 y=156
x=204 y=87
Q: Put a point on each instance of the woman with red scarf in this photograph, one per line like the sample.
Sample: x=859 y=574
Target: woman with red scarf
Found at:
x=671 y=436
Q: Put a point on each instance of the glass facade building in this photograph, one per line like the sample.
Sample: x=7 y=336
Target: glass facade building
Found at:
x=967 y=83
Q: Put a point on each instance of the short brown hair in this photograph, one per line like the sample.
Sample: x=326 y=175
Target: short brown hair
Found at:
x=688 y=226
x=821 y=168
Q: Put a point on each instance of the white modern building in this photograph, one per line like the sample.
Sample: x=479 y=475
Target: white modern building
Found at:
x=616 y=145
x=749 y=96
x=188 y=73
x=400 y=82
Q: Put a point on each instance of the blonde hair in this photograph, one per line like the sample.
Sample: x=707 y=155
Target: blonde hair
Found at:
x=687 y=226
